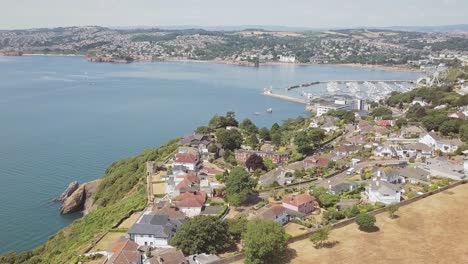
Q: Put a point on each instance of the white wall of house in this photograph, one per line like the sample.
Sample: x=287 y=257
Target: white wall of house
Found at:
x=149 y=240
x=189 y=166
x=190 y=211
x=291 y=207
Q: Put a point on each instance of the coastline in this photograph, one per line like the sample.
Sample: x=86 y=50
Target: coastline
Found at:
x=401 y=68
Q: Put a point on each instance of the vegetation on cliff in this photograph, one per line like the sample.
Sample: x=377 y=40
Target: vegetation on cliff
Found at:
x=120 y=192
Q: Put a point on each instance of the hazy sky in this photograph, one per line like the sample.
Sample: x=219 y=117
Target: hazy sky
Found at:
x=299 y=13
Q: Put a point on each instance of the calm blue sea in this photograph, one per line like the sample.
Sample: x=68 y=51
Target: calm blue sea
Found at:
x=64 y=119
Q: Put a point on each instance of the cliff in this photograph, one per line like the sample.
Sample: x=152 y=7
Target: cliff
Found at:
x=78 y=198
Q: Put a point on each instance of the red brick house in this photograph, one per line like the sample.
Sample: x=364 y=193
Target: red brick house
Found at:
x=302 y=203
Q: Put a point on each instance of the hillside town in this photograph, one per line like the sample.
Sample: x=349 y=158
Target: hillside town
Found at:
x=246 y=47
x=306 y=175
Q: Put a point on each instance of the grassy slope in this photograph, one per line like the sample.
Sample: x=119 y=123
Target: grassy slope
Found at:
x=121 y=191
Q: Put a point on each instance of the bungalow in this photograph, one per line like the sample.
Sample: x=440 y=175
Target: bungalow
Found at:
x=190 y=203
x=278 y=175
x=303 y=203
x=154 y=230
x=445 y=145
x=126 y=251
x=421 y=150
x=383 y=192
x=388 y=175
x=275 y=213
x=278 y=157
x=415 y=175
x=385 y=151
x=316 y=161
x=168 y=256
x=342 y=187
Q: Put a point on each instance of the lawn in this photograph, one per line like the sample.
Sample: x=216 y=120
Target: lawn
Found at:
x=294 y=229
x=130 y=221
x=432 y=230
x=107 y=242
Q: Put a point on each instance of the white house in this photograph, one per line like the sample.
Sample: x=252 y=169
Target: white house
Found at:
x=188 y=160
x=275 y=213
x=154 y=230
x=287 y=59
x=436 y=142
x=383 y=192
x=419 y=100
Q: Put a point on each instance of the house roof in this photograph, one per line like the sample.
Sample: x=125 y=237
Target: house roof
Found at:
x=160 y=226
x=169 y=256
x=125 y=252
x=343 y=187
x=320 y=161
x=190 y=199
x=447 y=141
x=384 y=188
x=271 y=213
x=414 y=173
x=185 y=158
x=297 y=200
x=171 y=211
x=384 y=123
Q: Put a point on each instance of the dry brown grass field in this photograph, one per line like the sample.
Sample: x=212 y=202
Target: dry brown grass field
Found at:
x=432 y=230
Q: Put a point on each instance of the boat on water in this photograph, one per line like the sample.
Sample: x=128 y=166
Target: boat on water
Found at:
x=257 y=113
x=269 y=110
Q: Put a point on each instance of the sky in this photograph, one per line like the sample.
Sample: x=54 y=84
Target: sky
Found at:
x=20 y=14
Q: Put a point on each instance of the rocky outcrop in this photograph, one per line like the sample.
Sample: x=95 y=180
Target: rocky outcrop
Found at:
x=72 y=187
x=81 y=199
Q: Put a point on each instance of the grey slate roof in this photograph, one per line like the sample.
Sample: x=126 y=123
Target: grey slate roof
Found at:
x=160 y=226
x=385 y=188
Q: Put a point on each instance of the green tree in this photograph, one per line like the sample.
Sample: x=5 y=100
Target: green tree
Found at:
x=381 y=111
x=365 y=221
x=229 y=139
x=265 y=242
x=275 y=128
x=238 y=186
x=392 y=209
x=321 y=236
x=450 y=126
x=252 y=141
x=237 y=227
x=254 y=162
x=401 y=122
x=202 y=234
x=203 y=130
x=276 y=139
x=264 y=134
x=303 y=143
x=464 y=132
x=217 y=122
x=231 y=119
x=269 y=165
x=248 y=126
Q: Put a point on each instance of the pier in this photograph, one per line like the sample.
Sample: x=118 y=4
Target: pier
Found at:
x=347 y=81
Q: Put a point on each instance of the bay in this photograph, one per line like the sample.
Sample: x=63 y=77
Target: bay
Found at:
x=64 y=119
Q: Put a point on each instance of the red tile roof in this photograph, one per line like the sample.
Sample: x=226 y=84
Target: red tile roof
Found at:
x=271 y=213
x=185 y=158
x=188 y=199
x=297 y=200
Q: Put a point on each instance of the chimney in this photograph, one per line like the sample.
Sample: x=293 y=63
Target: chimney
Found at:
x=378 y=174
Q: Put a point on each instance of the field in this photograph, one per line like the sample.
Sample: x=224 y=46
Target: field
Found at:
x=432 y=230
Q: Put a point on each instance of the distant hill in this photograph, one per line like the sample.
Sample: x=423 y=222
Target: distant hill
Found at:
x=445 y=28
